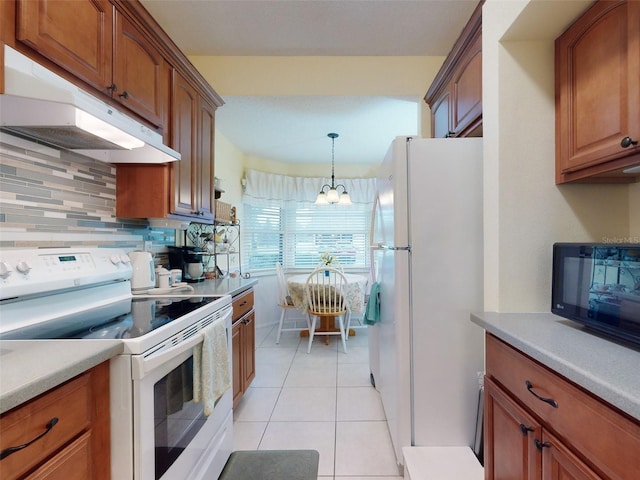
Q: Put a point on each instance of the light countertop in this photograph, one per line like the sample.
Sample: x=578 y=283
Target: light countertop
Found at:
x=31 y=367
x=223 y=286
x=605 y=367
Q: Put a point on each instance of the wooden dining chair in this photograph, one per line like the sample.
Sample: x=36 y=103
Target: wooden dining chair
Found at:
x=325 y=300
x=289 y=317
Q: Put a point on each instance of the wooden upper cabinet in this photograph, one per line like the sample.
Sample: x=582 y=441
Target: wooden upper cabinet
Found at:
x=97 y=44
x=184 y=130
x=140 y=74
x=76 y=35
x=440 y=115
x=206 y=195
x=193 y=136
x=466 y=90
x=598 y=94
x=180 y=190
x=455 y=96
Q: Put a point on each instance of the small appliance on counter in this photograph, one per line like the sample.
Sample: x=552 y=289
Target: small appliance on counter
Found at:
x=189 y=261
x=142 y=271
x=598 y=285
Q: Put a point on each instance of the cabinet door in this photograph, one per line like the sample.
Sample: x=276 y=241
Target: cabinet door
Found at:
x=597 y=89
x=139 y=72
x=249 y=349
x=466 y=92
x=76 y=34
x=72 y=463
x=558 y=463
x=510 y=433
x=236 y=348
x=440 y=115
x=184 y=127
x=206 y=193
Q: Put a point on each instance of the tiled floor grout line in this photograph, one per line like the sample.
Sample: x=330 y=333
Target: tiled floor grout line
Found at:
x=351 y=384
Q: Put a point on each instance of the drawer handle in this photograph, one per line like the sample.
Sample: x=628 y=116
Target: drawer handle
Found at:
x=550 y=401
x=525 y=430
x=540 y=445
x=243 y=304
x=8 y=451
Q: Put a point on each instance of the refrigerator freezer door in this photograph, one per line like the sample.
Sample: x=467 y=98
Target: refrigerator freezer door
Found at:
x=445 y=228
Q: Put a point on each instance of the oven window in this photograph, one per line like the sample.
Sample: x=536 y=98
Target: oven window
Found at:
x=177 y=419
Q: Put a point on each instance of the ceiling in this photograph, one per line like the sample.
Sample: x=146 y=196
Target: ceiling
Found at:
x=294 y=128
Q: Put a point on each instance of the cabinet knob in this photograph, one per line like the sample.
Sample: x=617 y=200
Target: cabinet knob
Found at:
x=525 y=430
x=112 y=88
x=124 y=95
x=627 y=142
x=540 y=445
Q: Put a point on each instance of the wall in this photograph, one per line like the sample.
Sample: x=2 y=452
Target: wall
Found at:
x=57 y=198
x=525 y=212
x=306 y=76
x=634 y=212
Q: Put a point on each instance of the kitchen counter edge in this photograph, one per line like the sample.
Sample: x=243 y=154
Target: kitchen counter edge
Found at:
x=29 y=368
x=600 y=365
x=223 y=286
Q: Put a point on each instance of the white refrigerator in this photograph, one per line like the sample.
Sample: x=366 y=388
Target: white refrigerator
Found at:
x=427 y=257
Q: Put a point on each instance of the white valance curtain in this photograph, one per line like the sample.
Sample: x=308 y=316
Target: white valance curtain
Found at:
x=261 y=186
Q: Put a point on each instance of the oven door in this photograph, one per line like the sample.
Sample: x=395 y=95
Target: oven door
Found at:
x=172 y=436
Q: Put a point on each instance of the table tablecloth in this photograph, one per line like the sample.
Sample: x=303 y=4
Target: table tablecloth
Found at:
x=355 y=291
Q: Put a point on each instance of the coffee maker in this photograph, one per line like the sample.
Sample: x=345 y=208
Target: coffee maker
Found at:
x=189 y=261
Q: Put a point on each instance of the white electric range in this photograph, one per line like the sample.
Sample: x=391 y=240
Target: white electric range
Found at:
x=157 y=430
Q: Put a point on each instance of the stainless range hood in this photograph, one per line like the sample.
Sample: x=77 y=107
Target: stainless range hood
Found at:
x=42 y=106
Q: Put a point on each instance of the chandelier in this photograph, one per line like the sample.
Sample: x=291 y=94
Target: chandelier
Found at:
x=332 y=195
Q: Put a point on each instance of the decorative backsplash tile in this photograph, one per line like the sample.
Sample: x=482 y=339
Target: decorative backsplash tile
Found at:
x=54 y=198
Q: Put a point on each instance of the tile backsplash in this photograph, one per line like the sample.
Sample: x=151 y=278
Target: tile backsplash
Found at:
x=53 y=198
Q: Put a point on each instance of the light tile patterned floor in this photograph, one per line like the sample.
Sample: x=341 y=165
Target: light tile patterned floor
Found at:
x=322 y=401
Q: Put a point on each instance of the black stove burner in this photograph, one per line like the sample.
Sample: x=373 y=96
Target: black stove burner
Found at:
x=130 y=318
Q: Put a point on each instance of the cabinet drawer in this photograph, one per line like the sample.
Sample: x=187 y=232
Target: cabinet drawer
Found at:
x=242 y=304
x=606 y=439
x=70 y=403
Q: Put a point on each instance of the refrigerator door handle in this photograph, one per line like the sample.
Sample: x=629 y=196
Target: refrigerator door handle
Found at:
x=381 y=246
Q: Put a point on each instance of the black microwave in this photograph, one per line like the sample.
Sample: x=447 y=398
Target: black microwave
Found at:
x=598 y=285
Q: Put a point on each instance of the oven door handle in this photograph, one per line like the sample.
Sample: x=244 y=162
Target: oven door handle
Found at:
x=142 y=365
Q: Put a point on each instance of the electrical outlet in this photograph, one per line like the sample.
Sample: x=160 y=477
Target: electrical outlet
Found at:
x=147 y=245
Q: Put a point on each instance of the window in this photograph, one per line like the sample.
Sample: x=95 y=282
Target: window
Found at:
x=298 y=233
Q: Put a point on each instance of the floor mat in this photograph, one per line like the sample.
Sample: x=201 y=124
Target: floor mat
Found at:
x=272 y=465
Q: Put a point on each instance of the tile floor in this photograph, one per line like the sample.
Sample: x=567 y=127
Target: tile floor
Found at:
x=322 y=401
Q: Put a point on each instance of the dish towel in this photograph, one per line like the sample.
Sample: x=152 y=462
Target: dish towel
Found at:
x=372 y=314
x=211 y=367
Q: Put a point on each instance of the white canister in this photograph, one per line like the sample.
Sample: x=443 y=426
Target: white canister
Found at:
x=164 y=280
x=163 y=277
x=176 y=275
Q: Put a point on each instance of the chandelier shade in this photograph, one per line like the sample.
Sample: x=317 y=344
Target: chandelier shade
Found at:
x=331 y=194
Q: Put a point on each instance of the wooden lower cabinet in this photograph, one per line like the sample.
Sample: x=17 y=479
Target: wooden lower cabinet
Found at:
x=76 y=445
x=243 y=344
x=539 y=425
x=518 y=447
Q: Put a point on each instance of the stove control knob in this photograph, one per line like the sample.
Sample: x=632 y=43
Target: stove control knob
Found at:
x=5 y=270
x=23 y=267
x=124 y=258
x=115 y=259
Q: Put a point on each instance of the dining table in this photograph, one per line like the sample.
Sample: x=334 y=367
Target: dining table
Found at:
x=354 y=293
